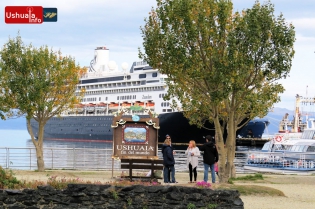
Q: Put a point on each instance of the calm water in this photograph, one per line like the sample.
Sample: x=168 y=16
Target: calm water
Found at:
x=12 y=157
x=13 y=138
x=21 y=138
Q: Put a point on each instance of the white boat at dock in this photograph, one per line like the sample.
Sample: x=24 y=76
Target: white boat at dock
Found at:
x=289 y=151
x=295 y=156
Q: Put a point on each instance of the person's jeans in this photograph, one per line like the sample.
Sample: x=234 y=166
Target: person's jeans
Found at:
x=169 y=174
x=166 y=170
x=165 y=174
x=206 y=170
x=172 y=169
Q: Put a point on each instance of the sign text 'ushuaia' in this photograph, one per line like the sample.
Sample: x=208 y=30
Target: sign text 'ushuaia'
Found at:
x=23 y=14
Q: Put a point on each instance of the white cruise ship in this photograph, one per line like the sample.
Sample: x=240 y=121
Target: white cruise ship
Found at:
x=109 y=88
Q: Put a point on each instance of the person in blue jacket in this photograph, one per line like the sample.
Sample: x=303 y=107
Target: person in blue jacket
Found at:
x=168 y=161
x=169 y=137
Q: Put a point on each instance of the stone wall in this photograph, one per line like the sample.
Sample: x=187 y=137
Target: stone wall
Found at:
x=119 y=197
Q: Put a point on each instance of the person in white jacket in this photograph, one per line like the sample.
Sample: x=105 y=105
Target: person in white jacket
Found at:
x=192 y=153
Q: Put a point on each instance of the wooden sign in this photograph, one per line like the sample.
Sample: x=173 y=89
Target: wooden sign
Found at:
x=135 y=137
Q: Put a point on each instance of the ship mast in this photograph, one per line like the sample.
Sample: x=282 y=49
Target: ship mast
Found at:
x=297 y=115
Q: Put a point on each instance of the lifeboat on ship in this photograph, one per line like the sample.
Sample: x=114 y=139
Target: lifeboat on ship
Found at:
x=138 y=103
x=71 y=111
x=101 y=107
x=150 y=105
x=113 y=106
x=90 y=108
x=126 y=105
x=79 y=108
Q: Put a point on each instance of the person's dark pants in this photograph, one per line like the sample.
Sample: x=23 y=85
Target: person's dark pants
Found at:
x=169 y=174
x=172 y=169
x=166 y=173
x=191 y=170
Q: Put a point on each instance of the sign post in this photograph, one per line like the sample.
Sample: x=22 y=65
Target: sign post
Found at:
x=135 y=137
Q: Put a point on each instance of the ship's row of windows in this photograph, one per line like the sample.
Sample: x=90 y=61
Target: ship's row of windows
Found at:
x=116 y=91
x=153 y=81
x=92 y=130
x=145 y=75
x=93 y=99
x=162 y=95
x=71 y=125
x=110 y=85
x=90 y=99
x=96 y=80
x=165 y=104
x=142 y=75
x=141 y=63
x=84 y=118
x=127 y=97
x=120 y=84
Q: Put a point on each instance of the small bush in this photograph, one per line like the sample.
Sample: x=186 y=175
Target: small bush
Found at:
x=8 y=180
x=211 y=206
x=191 y=206
x=114 y=194
x=257 y=176
x=62 y=183
x=230 y=181
x=129 y=201
x=203 y=184
x=31 y=184
x=253 y=190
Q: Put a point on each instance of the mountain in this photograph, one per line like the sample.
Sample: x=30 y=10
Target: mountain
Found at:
x=278 y=111
x=276 y=115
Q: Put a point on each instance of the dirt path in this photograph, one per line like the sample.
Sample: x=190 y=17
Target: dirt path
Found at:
x=299 y=191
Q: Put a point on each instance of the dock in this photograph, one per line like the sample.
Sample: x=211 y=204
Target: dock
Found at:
x=252 y=141
x=239 y=142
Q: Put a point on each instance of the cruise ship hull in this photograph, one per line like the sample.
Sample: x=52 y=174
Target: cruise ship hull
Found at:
x=98 y=129
x=178 y=127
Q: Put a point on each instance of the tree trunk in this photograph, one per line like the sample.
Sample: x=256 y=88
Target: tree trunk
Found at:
x=38 y=144
x=40 y=159
x=223 y=178
x=39 y=148
x=230 y=145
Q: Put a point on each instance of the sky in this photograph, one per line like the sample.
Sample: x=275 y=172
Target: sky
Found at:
x=84 y=25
